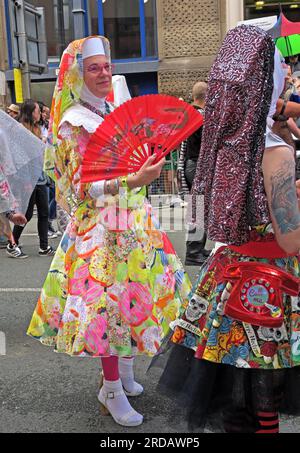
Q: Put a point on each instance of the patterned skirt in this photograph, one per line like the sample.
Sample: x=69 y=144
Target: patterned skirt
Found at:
x=110 y=291
x=220 y=369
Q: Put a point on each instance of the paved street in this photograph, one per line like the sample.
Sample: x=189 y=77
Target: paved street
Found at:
x=41 y=391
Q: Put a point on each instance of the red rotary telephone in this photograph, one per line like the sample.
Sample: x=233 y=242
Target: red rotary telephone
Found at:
x=256 y=295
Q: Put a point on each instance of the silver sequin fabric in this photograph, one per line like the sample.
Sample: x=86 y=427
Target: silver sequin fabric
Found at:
x=229 y=170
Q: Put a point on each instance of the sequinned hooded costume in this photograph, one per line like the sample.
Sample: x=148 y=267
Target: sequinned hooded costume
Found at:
x=234 y=132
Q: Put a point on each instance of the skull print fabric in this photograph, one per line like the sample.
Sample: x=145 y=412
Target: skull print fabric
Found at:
x=232 y=342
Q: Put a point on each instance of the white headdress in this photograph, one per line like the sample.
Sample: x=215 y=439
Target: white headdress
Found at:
x=279 y=81
x=92 y=47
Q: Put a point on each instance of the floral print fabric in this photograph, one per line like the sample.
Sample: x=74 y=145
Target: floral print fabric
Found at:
x=113 y=286
x=232 y=342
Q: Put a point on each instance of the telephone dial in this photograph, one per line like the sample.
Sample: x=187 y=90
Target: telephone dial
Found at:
x=256 y=293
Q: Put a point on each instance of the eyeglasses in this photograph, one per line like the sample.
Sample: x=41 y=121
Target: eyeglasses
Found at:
x=96 y=68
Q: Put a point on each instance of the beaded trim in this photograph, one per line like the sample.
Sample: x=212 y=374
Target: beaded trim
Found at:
x=94 y=110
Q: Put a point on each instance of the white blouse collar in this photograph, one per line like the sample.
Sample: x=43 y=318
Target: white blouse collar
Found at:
x=87 y=96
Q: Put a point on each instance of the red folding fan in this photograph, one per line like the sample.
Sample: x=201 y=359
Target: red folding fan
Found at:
x=144 y=125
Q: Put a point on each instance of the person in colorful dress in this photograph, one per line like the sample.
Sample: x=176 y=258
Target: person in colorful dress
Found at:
x=240 y=349
x=113 y=286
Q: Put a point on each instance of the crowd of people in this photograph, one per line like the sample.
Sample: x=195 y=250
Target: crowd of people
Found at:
x=34 y=116
x=229 y=345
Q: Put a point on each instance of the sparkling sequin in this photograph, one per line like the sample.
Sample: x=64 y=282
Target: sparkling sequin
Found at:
x=229 y=171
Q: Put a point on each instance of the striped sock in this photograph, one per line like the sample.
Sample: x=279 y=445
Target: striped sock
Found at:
x=269 y=423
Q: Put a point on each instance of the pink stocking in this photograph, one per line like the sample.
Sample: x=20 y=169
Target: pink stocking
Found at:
x=110 y=368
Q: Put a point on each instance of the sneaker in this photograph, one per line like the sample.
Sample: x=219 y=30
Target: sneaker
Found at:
x=15 y=252
x=195 y=261
x=48 y=252
x=175 y=202
x=52 y=235
x=50 y=226
x=52 y=230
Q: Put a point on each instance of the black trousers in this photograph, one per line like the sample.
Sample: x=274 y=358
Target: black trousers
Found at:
x=39 y=198
x=189 y=172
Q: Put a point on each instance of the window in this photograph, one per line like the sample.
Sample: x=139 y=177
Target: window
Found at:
x=122 y=28
x=59 y=24
x=150 y=25
x=255 y=9
x=93 y=12
x=33 y=50
x=130 y=25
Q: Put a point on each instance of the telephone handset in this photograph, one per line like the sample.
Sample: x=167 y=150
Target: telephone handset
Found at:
x=256 y=293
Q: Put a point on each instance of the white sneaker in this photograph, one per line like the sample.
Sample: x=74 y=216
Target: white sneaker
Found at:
x=49 y=251
x=52 y=235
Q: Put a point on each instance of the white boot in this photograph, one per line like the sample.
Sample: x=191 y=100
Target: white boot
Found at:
x=114 y=402
x=131 y=387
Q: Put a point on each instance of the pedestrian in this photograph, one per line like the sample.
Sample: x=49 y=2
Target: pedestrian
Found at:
x=194 y=141
x=241 y=356
x=52 y=232
x=7 y=213
x=111 y=290
x=44 y=125
x=294 y=63
x=21 y=159
x=13 y=111
x=29 y=118
x=45 y=115
x=196 y=253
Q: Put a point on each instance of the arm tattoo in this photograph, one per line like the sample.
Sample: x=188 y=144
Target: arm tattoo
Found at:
x=284 y=200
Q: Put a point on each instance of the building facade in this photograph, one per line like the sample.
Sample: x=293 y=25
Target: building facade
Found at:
x=256 y=9
x=189 y=35
x=131 y=26
x=159 y=45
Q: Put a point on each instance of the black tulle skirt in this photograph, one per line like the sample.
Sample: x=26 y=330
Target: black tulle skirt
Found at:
x=223 y=398
x=240 y=372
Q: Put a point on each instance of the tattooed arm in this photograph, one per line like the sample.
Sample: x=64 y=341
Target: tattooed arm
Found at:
x=280 y=184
